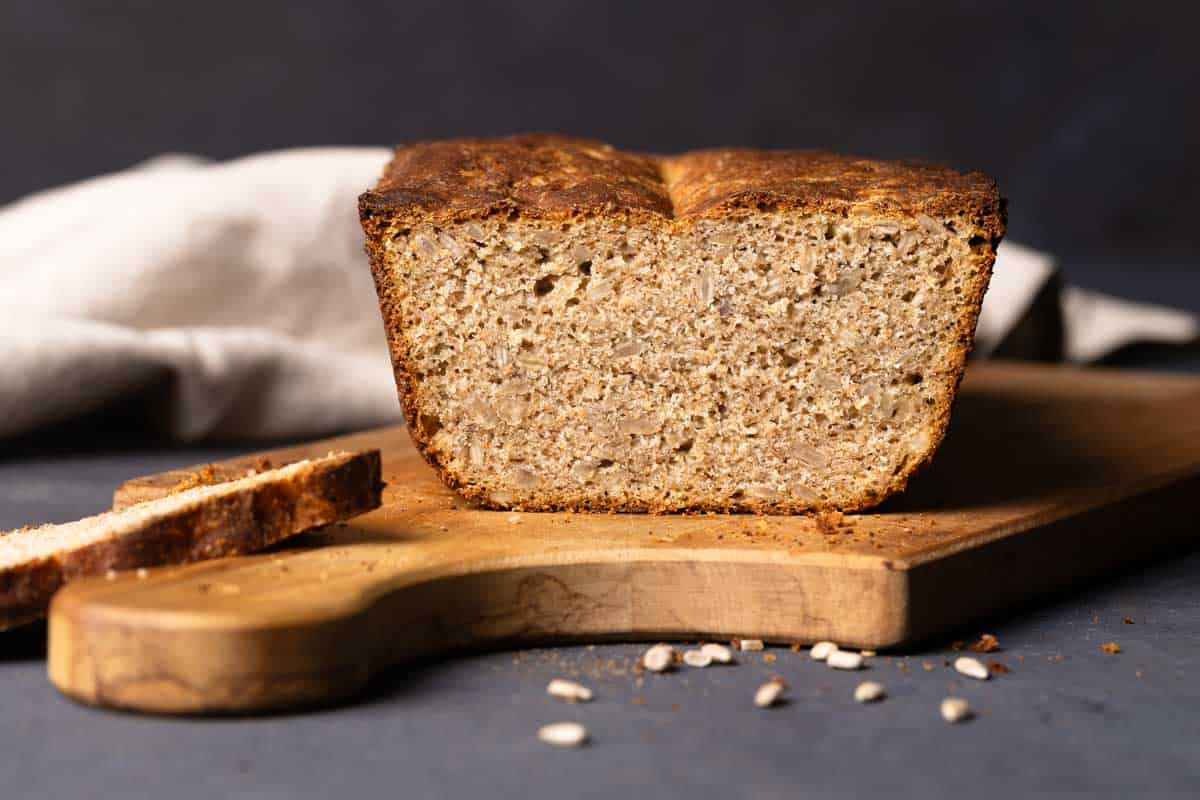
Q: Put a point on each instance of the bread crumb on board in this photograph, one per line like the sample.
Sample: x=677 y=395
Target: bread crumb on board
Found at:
x=201 y=476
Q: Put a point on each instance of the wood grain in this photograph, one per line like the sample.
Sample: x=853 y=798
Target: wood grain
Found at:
x=1049 y=476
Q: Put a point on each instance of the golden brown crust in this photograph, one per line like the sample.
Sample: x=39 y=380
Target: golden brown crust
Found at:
x=537 y=175
x=549 y=176
x=707 y=183
x=232 y=524
x=474 y=178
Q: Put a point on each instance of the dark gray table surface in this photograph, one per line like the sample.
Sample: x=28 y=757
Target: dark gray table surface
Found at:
x=1067 y=718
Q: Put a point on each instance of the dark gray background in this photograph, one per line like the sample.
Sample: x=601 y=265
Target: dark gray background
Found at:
x=1068 y=718
x=1086 y=112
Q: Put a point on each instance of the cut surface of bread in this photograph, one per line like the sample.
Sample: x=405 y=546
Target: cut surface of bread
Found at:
x=230 y=518
x=573 y=326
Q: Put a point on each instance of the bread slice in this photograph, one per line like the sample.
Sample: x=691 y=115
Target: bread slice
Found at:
x=239 y=516
x=573 y=326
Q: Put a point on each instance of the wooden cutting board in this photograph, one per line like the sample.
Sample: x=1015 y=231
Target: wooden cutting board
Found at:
x=1049 y=476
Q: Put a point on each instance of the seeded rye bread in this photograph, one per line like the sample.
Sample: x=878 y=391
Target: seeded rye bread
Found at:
x=574 y=326
x=231 y=518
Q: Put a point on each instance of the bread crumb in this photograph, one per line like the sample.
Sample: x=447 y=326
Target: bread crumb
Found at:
x=204 y=476
x=987 y=644
x=1111 y=647
x=769 y=658
x=957 y=645
x=828 y=522
x=1127 y=620
x=999 y=667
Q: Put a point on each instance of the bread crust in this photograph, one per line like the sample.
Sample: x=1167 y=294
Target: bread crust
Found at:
x=553 y=177
x=714 y=183
x=546 y=176
x=237 y=523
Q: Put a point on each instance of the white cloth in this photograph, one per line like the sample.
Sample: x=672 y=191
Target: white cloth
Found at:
x=238 y=295
x=244 y=283
x=1093 y=324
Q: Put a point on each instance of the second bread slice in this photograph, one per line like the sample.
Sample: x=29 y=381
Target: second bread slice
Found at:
x=231 y=518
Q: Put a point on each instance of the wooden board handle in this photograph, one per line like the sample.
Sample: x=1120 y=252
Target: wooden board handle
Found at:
x=304 y=626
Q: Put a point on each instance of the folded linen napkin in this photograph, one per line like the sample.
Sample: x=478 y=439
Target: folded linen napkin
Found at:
x=234 y=300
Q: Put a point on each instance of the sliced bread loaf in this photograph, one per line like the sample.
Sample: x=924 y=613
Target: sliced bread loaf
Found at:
x=573 y=326
x=231 y=518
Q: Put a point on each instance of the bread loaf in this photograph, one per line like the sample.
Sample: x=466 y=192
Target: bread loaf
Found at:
x=574 y=326
x=230 y=518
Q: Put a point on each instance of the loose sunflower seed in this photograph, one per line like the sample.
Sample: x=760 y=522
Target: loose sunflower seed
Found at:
x=955 y=709
x=563 y=734
x=821 y=650
x=751 y=645
x=869 y=692
x=570 y=691
x=697 y=658
x=844 y=659
x=659 y=658
x=769 y=693
x=971 y=667
x=718 y=652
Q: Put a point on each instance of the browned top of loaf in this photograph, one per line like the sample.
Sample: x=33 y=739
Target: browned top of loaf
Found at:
x=549 y=176
x=539 y=175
